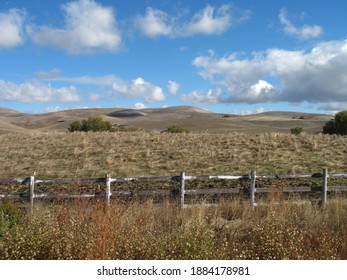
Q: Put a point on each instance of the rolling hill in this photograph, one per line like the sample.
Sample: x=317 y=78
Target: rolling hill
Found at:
x=196 y=119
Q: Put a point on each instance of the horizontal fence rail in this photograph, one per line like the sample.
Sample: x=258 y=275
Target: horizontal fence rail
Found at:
x=181 y=179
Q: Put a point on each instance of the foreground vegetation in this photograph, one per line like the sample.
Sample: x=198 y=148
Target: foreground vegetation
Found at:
x=91 y=154
x=148 y=230
x=163 y=231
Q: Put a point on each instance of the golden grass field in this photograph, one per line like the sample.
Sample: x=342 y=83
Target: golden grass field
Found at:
x=77 y=155
x=83 y=229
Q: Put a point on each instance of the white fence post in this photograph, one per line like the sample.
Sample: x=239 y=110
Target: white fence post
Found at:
x=324 y=186
x=31 y=192
x=108 y=189
x=182 y=191
x=252 y=188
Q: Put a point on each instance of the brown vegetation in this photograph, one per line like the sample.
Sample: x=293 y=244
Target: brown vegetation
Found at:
x=163 y=231
x=120 y=154
x=88 y=230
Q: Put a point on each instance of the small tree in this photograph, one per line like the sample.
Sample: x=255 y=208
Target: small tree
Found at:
x=177 y=129
x=338 y=125
x=75 y=126
x=297 y=130
x=94 y=124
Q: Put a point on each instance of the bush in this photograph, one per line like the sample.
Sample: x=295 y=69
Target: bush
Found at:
x=338 y=125
x=94 y=124
x=10 y=215
x=297 y=130
x=177 y=129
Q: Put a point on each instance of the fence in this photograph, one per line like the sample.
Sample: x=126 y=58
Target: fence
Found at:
x=182 y=178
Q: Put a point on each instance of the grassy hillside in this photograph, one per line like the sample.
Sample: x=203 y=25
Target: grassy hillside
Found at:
x=195 y=119
x=153 y=153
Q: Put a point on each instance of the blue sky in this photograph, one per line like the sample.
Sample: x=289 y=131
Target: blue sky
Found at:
x=236 y=57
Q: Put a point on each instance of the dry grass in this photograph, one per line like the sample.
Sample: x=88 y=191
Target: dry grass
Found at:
x=153 y=153
x=86 y=230
x=163 y=231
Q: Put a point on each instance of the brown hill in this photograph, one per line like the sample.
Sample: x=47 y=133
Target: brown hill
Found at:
x=196 y=119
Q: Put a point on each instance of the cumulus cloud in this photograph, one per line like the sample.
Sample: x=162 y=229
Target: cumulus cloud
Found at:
x=304 y=32
x=208 y=21
x=36 y=92
x=155 y=23
x=11 y=28
x=89 y=27
x=139 y=106
x=117 y=86
x=173 y=87
x=139 y=88
x=213 y=96
x=316 y=76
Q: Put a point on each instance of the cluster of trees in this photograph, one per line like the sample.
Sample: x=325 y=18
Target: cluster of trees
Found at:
x=94 y=124
x=338 y=125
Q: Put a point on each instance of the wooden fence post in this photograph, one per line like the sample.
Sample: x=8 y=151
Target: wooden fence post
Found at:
x=324 y=186
x=252 y=188
x=108 y=189
x=31 y=193
x=182 y=191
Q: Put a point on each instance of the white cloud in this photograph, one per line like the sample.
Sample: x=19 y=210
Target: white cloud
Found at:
x=139 y=106
x=89 y=27
x=115 y=86
x=139 y=88
x=173 y=87
x=58 y=108
x=249 y=112
x=54 y=73
x=155 y=23
x=11 y=28
x=304 y=32
x=36 y=92
x=317 y=76
x=213 y=96
x=208 y=21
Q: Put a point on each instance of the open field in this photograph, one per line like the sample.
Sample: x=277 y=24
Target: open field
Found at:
x=148 y=230
x=78 y=155
x=195 y=119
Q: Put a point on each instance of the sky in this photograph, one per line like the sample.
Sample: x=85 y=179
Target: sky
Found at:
x=236 y=57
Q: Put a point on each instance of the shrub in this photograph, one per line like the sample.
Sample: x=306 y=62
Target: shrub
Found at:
x=75 y=126
x=297 y=130
x=177 y=129
x=10 y=215
x=94 y=124
x=338 y=125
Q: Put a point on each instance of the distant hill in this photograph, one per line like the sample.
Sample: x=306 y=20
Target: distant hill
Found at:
x=196 y=119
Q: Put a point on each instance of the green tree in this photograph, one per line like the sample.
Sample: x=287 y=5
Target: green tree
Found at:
x=75 y=126
x=297 y=130
x=177 y=129
x=94 y=124
x=338 y=125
